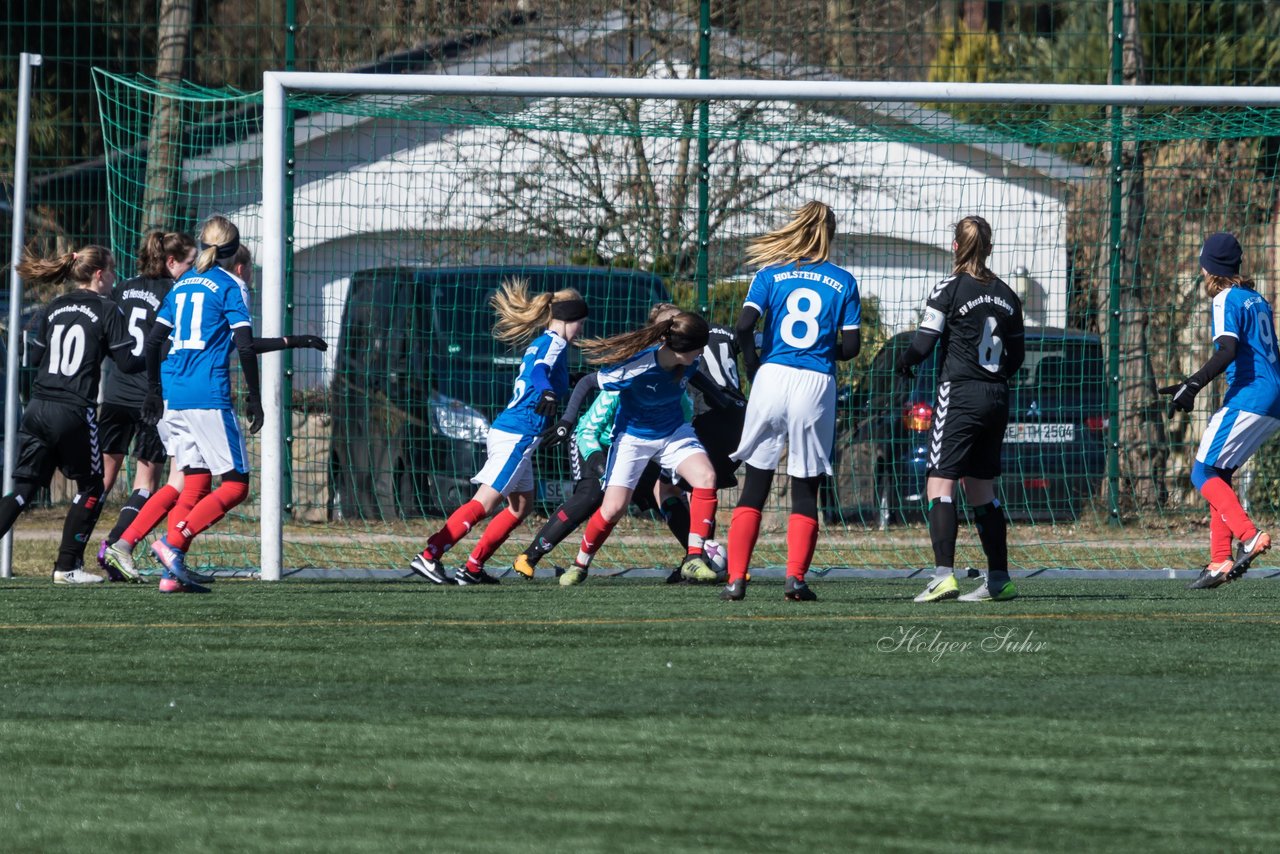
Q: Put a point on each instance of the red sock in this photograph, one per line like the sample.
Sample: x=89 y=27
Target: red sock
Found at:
x=150 y=514
x=744 y=530
x=210 y=509
x=802 y=538
x=455 y=528
x=702 y=518
x=495 y=534
x=1219 y=537
x=597 y=531
x=1222 y=498
x=194 y=488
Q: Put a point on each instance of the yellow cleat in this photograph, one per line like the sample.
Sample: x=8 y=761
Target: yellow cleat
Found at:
x=940 y=589
x=523 y=567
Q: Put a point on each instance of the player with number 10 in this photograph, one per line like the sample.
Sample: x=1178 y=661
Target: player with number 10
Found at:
x=978 y=319
x=812 y=313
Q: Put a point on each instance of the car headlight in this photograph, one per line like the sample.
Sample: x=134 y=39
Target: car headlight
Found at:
x=454 y=419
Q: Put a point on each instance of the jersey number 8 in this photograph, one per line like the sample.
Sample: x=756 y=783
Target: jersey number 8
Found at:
x=806 y=318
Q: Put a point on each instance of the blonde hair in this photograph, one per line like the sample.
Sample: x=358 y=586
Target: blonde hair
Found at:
x=76 y=267
x=806 y=238
x=973 y=247
x=157 y=246
x=216 y=232
x=619 y=348
x=520 y=316
x=661 y=308
x=1215 y=284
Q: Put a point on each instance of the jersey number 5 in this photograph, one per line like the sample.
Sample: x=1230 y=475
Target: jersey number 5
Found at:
x=805 y=318
x=990 y=348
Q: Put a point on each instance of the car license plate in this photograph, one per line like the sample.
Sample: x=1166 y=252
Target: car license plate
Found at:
x=557 y=491
x=1025 y=433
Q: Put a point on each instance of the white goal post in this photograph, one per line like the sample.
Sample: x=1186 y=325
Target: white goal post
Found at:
x=277 y=87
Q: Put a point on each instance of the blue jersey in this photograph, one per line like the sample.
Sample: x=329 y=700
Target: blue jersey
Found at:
x=545 y=366
x=1253 y=379
x=650 y=405
x=201 y=309
x=804 y=309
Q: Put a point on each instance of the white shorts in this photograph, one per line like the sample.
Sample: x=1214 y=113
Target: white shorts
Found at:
x=1233 y=436
x=204 y=439
x=509 y=467
x=630 y=454
x=790 y=405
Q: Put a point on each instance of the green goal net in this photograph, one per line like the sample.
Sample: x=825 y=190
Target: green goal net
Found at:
x=405 y=212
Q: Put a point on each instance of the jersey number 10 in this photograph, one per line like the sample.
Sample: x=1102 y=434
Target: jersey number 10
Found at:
x=66 y=349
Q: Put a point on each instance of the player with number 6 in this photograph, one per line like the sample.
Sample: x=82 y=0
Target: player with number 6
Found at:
x=812 y=313
x=978 y=319
x=1244 y=339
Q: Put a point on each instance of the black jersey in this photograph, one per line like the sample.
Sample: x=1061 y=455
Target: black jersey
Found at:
x=71 y=337
x=720 y=363
x=139 y=300
x=976 y=320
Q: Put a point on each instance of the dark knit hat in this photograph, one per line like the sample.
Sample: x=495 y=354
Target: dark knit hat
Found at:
x=1221 y=254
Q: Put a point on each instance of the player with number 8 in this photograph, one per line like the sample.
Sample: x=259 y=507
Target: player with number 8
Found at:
x=978 y=319
x=59 y=427
x=812 y=313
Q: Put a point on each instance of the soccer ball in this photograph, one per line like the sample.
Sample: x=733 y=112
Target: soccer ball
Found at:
x=715 y=553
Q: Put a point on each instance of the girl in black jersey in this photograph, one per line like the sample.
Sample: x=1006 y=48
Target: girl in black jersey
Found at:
x=979 y=320
x=59 y=427
x=162 y=258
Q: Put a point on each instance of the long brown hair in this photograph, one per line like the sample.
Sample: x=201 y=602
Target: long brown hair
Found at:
x=76 y=267
x=521 y=316
x=807 y=237
x=1215 y=284
x=973 y=247
x=618 y=348
x=156 y=248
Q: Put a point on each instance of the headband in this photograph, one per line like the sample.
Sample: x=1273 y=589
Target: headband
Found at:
x=224 y=250
x=682 y=343
x=569 y=309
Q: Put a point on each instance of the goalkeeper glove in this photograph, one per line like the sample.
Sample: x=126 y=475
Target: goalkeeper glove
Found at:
x=1183 y=393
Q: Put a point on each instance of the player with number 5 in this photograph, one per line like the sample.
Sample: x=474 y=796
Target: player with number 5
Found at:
x=60 y=427
x=978 y=318
x=812 y=314
x=1244 y=339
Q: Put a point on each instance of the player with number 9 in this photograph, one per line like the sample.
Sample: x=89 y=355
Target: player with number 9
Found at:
x=812 y=313
x=59 y=427
x=978 y=319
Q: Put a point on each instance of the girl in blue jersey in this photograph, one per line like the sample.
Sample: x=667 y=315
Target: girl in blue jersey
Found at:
x=651 y=368
x=553 y=321
x=812 y=314
x=1244 y=338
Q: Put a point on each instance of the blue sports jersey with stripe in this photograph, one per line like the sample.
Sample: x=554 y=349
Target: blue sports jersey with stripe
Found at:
x=1253 y=378
x=545 y=366
x=804 y=309
x=650 y=405
x=201 y=310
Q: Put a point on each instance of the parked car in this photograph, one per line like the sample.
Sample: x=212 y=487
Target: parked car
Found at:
x=419 y=377
x=1054 y=449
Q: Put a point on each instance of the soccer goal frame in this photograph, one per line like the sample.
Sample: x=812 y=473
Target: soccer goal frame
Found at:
x=278 y=85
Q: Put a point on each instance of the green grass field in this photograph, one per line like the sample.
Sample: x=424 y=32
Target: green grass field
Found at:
x=628 y=716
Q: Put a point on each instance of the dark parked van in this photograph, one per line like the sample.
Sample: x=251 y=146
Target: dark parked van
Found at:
x=1054 y=448
x=419 y=377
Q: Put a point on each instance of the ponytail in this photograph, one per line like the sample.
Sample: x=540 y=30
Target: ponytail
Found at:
x=973 y=247
x=219 y=241
x=684 y=332
x=156 y=248
x=807 y=238
x=75 y=267
x=521 y=316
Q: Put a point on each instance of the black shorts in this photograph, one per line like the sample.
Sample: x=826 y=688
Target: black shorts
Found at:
x=119 y=425
x=720 y=431
x=969 y=419
x=59 y=435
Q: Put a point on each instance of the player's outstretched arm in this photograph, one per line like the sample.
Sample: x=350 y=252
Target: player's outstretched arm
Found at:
x=921 y=346
x=249 y=366
x=1184 y=393
x=713 y=393
x=559 y=432
x=745 y=333
x=289 y=342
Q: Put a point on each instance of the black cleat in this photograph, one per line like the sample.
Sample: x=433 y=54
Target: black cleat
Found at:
x=430 y=569
x=797 y=591
x=465 y=578
x=1246 y=552
x=675 y=577
x=734 y=591
x=1213 y=575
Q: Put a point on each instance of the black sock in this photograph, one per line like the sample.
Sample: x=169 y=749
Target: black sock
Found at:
x=130 y=509
x=942 y=531
x=993 y=531
x=11 y=506
x=566 y=519
x=676 y=514
x=78 y=528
